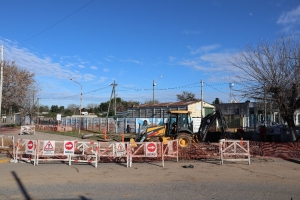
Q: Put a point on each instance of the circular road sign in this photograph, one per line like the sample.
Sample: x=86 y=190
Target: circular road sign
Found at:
x=151 y=147
x=69 y=145
x=30 y=144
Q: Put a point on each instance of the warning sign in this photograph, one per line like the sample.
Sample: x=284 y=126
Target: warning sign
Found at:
x=120 y=149
x=49 y=147
x=29 y=147
x=69 y=147
x=151 y=149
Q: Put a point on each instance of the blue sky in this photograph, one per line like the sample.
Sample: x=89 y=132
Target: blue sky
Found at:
x=133 y=42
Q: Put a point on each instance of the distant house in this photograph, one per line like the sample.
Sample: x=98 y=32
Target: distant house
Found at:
x=248 y=114
x=159 y=110
x=157 y=113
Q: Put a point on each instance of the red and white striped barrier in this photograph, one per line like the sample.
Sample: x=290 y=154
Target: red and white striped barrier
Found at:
x=27 y=130
x=26 y=150
x=234 y=150
x=112 y=150
x=50 y=150
x=69 y=151
x=170 y=150
x=8 y=142
x=86 y=152
x=144 y=150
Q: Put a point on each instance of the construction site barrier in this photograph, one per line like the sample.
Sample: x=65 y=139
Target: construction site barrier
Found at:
x=27 y=130
x=144 y=150
x=113 y=150
x=50 y=150
x=26 y=150
x=86 y=152
x=7 y=143
x=234 y=150
x=170 y=150
x=36 y=151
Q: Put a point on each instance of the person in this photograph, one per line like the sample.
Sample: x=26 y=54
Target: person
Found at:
x=128 y=129
x=144 y=126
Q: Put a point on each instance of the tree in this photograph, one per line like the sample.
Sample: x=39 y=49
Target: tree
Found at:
x=186 y=96
x=151 y=102
x=217 y=101
x=272 y=69
x=18 y=84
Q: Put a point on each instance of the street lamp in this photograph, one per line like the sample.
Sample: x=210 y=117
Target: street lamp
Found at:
x=79 y=126
x=154 y=84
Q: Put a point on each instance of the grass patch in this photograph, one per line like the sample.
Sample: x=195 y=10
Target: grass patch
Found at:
x=96 y=135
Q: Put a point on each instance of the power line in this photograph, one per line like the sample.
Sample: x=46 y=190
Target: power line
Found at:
x=58 y=22
x=75 y=95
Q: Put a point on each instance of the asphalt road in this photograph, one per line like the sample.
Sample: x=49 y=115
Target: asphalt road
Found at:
x=263 y=179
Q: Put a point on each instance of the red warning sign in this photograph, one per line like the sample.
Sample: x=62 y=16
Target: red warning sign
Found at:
x=68 y=147
x=49 y=147
x=120 y=149
x=30 y=144
x=151 y=149
x=30 y=147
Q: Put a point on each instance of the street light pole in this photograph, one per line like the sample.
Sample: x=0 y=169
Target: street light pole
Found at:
x=153 y=85
x=79 y=126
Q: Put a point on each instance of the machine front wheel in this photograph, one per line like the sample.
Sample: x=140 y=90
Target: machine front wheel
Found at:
x=184 y=140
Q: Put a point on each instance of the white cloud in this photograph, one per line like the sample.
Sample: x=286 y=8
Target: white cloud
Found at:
x=132 y=61
x=172 y=58
x=291 y=17
x=109 y=58
x=81 y=66
x=204 y=49
x=88 y=77
x=94 y=67
x=210 y=62
x=105 y=70
x=102 y=79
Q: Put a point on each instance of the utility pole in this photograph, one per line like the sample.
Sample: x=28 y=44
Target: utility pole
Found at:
x=113 y=92
x=80 y=107
x=201 y=99
x=1 y=81
x=38 y=112
x=265 y=105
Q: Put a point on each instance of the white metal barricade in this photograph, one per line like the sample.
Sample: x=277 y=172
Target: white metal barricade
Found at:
x=50 y=150
x=144 y=150
x=234 y=150
x=26 y=150
x=112 y=150
x=170 y=150
x=86 y=152
x=7 y=142
x=28 y=129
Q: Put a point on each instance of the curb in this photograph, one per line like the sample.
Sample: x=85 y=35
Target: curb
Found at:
x=5 y=160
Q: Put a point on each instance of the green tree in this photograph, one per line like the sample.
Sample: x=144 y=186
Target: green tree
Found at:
x=186 y=96
x=151 y=102
x=216 y=101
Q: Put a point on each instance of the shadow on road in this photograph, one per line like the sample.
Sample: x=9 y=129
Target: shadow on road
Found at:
x=24 y=191
x=293 y=160
x=21 y=186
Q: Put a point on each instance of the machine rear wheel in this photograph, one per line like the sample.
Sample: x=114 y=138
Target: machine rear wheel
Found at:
x=184 y=140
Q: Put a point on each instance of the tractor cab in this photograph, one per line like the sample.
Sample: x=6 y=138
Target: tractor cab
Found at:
x=179 y=121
